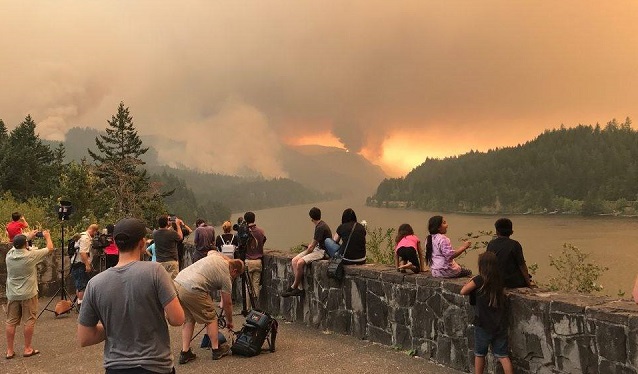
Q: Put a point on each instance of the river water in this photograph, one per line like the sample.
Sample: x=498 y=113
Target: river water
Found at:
x=610 y=241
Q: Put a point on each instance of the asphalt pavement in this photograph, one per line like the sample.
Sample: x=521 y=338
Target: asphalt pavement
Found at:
x=299 y=349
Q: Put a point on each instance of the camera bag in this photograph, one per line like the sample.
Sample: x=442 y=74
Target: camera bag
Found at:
x=258 y=327
x=335 y=264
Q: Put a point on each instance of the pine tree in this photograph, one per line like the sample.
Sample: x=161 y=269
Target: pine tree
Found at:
x=119 y=167
x=26 y=165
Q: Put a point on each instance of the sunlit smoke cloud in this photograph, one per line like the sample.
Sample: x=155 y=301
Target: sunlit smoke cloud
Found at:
x=361 y=70
x=233 y=140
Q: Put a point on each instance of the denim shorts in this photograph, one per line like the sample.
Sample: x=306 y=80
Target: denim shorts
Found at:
x=80 y=277
x=483 y=339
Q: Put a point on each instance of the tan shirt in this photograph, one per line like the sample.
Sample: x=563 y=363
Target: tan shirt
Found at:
x=22 y=274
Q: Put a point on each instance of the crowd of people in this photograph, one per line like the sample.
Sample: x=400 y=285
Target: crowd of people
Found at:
x=167 y=291
x=501 y=266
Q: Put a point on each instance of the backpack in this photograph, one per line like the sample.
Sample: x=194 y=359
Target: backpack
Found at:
x=70 y=248
x=228 y=249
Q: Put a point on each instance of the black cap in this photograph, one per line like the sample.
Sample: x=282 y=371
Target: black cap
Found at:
x=129 y=230
x=19 y=241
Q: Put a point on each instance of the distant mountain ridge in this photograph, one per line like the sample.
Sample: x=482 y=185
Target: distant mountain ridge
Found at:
x=314 y=173
x=331 y=169
x=582 y=170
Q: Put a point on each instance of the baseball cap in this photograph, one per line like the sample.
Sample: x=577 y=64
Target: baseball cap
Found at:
x=19 y=241
x=129 y=230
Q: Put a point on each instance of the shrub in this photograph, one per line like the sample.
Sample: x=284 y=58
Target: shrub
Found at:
x=380 y=246
x=574 y=273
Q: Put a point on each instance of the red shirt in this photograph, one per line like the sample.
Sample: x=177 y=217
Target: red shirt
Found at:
x=111 y=249
x=15 y=228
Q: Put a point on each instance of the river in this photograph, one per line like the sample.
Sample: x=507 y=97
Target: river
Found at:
x=610 y=241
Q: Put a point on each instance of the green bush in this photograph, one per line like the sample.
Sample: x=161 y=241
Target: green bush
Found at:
x=380 y=246
x=574 y=273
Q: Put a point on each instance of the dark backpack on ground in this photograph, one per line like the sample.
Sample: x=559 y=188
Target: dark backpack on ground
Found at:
x=253 y=334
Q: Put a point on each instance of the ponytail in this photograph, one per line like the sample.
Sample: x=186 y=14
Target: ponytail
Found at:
x=433 y=228
x=428 y=250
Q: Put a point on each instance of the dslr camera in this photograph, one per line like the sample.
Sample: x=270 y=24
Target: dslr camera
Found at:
x=39 y=234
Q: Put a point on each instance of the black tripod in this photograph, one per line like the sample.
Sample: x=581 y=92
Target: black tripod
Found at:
x=64 y=295
x=246 y=286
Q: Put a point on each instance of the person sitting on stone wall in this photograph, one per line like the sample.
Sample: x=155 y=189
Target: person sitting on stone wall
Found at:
x=315 y=251
x=17 y=224
x=509 y=253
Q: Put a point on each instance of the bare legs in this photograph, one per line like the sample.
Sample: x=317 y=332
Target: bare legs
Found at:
x=29 y=328
x=479 y=365
x=298 y=269
x=11 y=334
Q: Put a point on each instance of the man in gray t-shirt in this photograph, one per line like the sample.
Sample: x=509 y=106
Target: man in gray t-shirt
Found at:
x=165 y=240
x=127 y=307
x=195 y=285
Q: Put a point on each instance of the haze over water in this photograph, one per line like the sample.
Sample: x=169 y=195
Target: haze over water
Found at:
x=609 y=240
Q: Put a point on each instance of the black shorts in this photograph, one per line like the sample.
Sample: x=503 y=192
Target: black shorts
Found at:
x=409 y=254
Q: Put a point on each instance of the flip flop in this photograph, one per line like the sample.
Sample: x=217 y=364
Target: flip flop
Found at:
x=9 y=357
x=33 y=353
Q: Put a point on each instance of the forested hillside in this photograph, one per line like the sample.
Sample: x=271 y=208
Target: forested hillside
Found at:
x=583 y=170
x=197 y=194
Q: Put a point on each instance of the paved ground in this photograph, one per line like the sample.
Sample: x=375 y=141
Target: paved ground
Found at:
x=299 y=350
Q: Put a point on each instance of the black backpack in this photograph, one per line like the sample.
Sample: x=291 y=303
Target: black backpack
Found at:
x=70 y=248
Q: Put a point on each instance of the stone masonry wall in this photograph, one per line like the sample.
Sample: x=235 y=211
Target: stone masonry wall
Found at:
x=549 y=332
x=48 y=274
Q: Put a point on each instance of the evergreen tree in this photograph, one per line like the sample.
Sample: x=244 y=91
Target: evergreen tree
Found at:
x=26 y=164
x=119 y=167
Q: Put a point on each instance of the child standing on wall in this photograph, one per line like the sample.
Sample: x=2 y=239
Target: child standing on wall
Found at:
x=490 y=322
x=408 y=252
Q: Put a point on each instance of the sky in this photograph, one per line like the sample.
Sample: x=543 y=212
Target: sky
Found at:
x=395 y=81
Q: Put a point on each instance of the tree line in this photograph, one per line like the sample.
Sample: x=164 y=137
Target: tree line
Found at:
x=583 y=170
x=114 y=181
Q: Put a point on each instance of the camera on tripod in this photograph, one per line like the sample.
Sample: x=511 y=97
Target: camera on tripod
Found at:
x=243 y=237
x=99 y=242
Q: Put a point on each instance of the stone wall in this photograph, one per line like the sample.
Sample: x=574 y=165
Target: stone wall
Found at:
x=549 y=332
x=48 y=274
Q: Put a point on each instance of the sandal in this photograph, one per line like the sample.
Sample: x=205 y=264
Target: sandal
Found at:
x=33 y=353
x=9 y=357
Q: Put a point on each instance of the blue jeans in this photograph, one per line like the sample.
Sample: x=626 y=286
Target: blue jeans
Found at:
x=483 y=339
x=332 y=247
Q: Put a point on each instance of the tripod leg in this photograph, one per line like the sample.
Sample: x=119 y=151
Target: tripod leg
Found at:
x=248 y=291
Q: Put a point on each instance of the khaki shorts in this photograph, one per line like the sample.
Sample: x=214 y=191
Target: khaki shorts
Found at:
x=18 y=310
x=316 y=254
x=172 y=267
x=198 y=305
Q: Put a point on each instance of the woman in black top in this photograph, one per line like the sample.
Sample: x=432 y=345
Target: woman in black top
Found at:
x=355 y=252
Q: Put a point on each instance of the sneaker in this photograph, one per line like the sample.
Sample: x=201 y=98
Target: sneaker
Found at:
x=297 y=292
x=288 y=292
x=223 y=350
x=185 y=357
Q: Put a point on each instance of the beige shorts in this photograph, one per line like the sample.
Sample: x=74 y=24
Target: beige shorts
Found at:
x=172 y=267
x=18 y=310
x=198 y=305
x=316 y=254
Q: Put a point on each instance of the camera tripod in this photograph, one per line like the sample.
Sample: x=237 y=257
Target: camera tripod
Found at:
x=248 y=296
x=64 y=294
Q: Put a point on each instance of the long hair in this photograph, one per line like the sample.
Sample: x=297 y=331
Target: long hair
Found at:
x=492 y=279
x=348 y=216
x=403 y=231
x=433 y=228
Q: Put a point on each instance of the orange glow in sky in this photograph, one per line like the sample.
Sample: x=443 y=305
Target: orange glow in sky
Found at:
x=325 y=139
